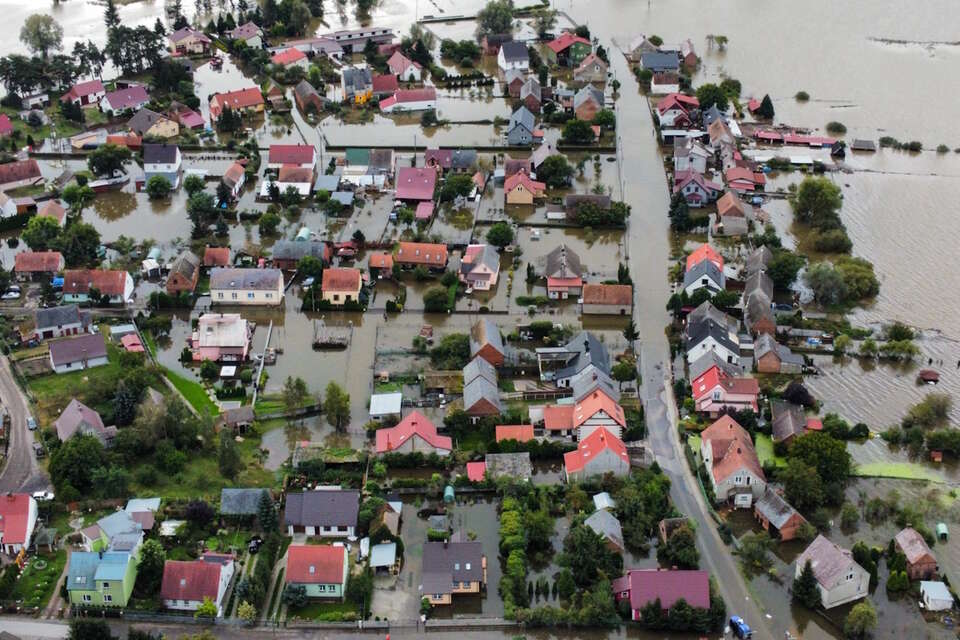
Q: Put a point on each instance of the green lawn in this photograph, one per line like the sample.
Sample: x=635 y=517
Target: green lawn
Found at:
x=896 y=470
x=194 y=392
x=764 y=445
x=36 y=585
x=322 y=611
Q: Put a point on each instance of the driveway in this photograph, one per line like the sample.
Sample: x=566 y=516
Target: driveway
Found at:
x=21 y=471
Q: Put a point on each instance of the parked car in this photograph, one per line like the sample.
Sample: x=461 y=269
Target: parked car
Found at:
x=740 y=628
x=43 y=496
x=31 y=423
x=10 y=294
x=38 y=450
x=254 y=544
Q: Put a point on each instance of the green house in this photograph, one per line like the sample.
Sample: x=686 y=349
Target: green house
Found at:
x=101 y=579
x=322 y=569
x=568 y=50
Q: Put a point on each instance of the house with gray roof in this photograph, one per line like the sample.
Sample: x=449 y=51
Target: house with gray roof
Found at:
x=606 y=525
x=513 y=55
x=772 y=357
x=328 y=513
x=481 y=397
x=463 y=160
x=246 y=286
x=710 y=336
x=79 y=418
x=704 y=274
x=561 y=364
x=657 y=61
x=789 y=420
x=452 y=568
x=591 y=379
x=513 y=465
x=241 y=502
x=530 y=94
x=287 y=253
x=60 y=321
x=587 y=102
x=777 y=516
x=521 y=127
x=356 y=81
x=840 y=579
x=564 y=263
x=485 y=340
x=758 y=259
x=706 y=311
x=758 y=316
x=701 y=365
x=711 y=115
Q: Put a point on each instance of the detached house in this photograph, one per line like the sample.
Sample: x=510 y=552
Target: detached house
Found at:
x=246 y=286
x=184 y=273
x=414 y=254
x=657 y=61
x=696 y=189
x=291 y=57
x=328 y=513
x=640 y=587
x=84 y=93
x=562 y=363
x=674 y=110
x=186 y=584
x=58 y=322
x=19 y=173
x=564 y=273
x=321 y=569
x=415 y=433
x=221 y=337
x=513 y=55
x=248 y=33
x=530 y=95
x=591 y=70
x=124 y=100
x=162 y=160
x=404 y=100
x=189 y=41
x=243 y=101
x=758 y=314
x=150 y=124
x=452 y=568
x=307 y=98
x=481 y=397
x=715 y=391
x=520 y=129
x=79 y=418
x=921 y=564
x=839 y=577
x=485 y=342
x=607 y=299
x=664 y=82
x=522 y=189
x=115 y=285
x=773 y=357
x=568 y=50
x=710 y=336
x=480 y=267
x=341 y=285
x=732 y=463
x=18 y=518
x=78 y=353
x=587 y=102
x=690 y=155
x=776 y=516
x=405 y=69
x=599 y=453
x=743 y=180
x=357 y=84
x=37 y=264
x=101 y=579
x=704 y=275
x=598 y=409
x=234 y=178
x=415 y=184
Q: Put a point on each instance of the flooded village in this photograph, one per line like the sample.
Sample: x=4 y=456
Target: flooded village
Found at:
x=564 y=319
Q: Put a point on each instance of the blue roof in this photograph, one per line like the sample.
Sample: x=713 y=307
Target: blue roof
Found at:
x=326 y=183
x=113 y=566
x=82 y=570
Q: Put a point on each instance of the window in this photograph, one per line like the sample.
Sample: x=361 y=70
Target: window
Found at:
x=456 y=585
x=106 y=585
x=220 y=295
x=107 y=597
x=321 y=587
x=716 y=396
x=336 y=297
x=269 y=295
x=850 y=576
x=438 y=596
x=87 y=597
x=233 y=295
x=250 y=295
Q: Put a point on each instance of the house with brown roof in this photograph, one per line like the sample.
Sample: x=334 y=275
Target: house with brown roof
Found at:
x=773 y=357
x=839 y=578
x=592 y=69
x=415 y=254
x=78 y=353
x=184 y=273
x=20 y=173
x=921 y=564
x=307 y=98
x=216 y=256
x=640 y=587
x=115 y=285
x=187 y=584
x=732 y=464
x=714 y=392
x=485 y=342
x=596 y=455
x=607 y=299
x=776 y=516
x=79 y=418
x=189 y=41
x=234 y=178
x=150 y=124
x=37 y=264
x=53 y=209
x=84 y=93
x=789 y=420
x=341 y=285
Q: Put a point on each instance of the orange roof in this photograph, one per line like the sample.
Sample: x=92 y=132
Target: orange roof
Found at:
x=565 y=40
x=130 y=140
x=591 y=446
x=730 y=205
x=424 y=253
x=315 y=564
x=414 y=424
x=240 y=99
x=288 y=56
x=291 y=173
x=616 y=294
x=593 y=404
x=732 y=448
x=704 y=252
x=38 y=262
x=109 y=283
x=476 y=471
x=558 y=417
x=534 y=187
x=341 y=279
x=216 y=256
x=380 y=260
x=518 y=432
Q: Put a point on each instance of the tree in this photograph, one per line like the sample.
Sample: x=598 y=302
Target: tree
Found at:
x=679 y=213
x=710 y=94
x=90 y=629
x=41 y=233
x=555 y=171
x=766 y=108
x=605 y=118
x=294 y=595
x=577 y=132
x=336 y=405
x=784 y=267
x=75 y=460
x=269 y=223
x=247 y=612
x=827 y=455
x=806 y=590
x=565 y=584
x=754 y=551
x=500 y=235
x=624 y=371
x=630 y=332
x=111 y=17
x=78 y=197
x=193 y=184
x=861 y=621
x=436 y=300
x=797 y=393
x=108 y=160
x=158 y=187
x=228 y=456
x=842 y=343
x=41 y=33
x=817 y=203
x=496 y=17
x=587 y=556
x=207 y=609
x=680 y=550
x=295 y=393
x=827 y=284
x=150 y=568
x=267 y=512
x=460 y=184
x=932 y=411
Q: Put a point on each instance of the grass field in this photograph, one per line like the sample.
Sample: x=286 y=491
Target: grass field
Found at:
x=765 y=452
x=36 y=585
x=896 y=470
x=322 y=611
x=194 y=392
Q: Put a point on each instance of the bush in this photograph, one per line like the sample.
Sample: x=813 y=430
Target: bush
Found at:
x=836 y=127
x=802 y=96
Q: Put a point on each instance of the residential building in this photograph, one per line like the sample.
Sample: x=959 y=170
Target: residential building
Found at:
x=308 y=99
x=414 y=254
x=187 y=584
x=564 y=273
x=405 y=69
x=479 y=368
x=657 y=61
x=415 y=433
x=591 y=380
x=936 y=596
x=664 y=82
x=773 y=357
x=189 y=41
x=357 y=84
x=513 y=80
x=162 y=160
x=150 y=124
x=406 y=100
x=674 y=110
x=758 y=259
x=587 y=102
x=301 y=156
x=520 y=129
x=221 y=337
x=242 y=503
x=416 y=184
x=245 y=101
x=321 y=569
x=640 y=587
x=720 y=134
x=291 y=57
x=592 y=70
x=380 y=264
x=743 y=180
x=84 y=93
x=341 y=285
x=599 y=453
x=29 y=265
x=596 y=410
x=704 y=275
x=18 y=519
x=121 y=530
x=185 y=116
x=124 y=100
x=288 y=253
x=113 y=284
x=184 y=273
x=101 y=579
x=59 y=322
x=79 y=418
x=689 y=155
x=711 y=115
x=714 y=391
x=216 y=256
x=77 y=353
x=384 y=85
x=452 y=568
x=481 y=397
x=606 y=525
x=234 y=178
x=246 y=286
x=513 y=55
x=607 y=299
x=518 y=432
x=237 y=419
x=530 y=95
x=776 y=516
x=733 y=216
x=53 y=209
x=328 y=513
x=839 y=578
x=568 y=50
x=706 y=311
x=710 y=336
x=19 y=173
x=732 y=464
x=485 y=342
x=492 y=42
x=480 y=267
x=248 y=33
x=921 y=564
x=522 y=189
x=758 y=316
x=709 y=360
x=696 y=189
x=560 y=364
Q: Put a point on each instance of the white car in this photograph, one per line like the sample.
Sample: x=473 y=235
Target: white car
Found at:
x=10 y=295
x=43 y=496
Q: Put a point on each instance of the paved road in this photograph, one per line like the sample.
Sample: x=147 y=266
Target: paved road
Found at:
x=645 y=189
x=21 y=471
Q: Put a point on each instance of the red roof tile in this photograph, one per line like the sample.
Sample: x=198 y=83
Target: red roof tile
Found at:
x=476 y=471
x=423 y=253
x=15 y=518
x=704 y=252
x=82 y=89
x=414 y=424
x=558 y=417
x=594 y=403
x=341 y=279
x=677 y=100
x=38 y=262
x=647 y=585
x=587 y=449
x=291 y=154
x=415 y=183
x=190 y=581
x=107 y=282
x=216 y=256
x=614 y=294
x=315 y=564
x=518 y=432
x=385 y=83
x=288 y=56
x=531 y=185
x=240 y=99
x=565 y=41
x=380 y=260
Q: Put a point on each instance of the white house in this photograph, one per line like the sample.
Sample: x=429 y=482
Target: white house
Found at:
x=325 y=512
x=690 y=155
x=839 y=577
x=77 y=353
x=732 y=463
x=18 y=518
x=935 y=596
x=186 y=584
x=709 y=336
x=162 y=160
x=404 y=68
x=246 y=286
x=385 y=405
x=664 y=82
x=513 y=55
x=410 y=100
x=59 y=322
x=704 y=274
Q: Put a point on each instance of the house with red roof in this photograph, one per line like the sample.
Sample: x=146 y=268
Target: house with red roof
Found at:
x=216 y=257
x=704 y=252
x=303 y=156
x=33 y=264
x=599 y=453
x=245 y=101
x=20 y=173
x=384 y=85
x=518 y=432
x=568 y=50
x=18 y=518
x=291 y=57
x=189 y=41
x=186 y=584
x=673 y=110
x=341 y=285
x=731 y=461
x=744 y=180
x=84 y=93
x=715 y=391
x=404 y=68
x=415 y=184
x=414 y=254
x=405 y=100
x=591 y=412
x=55 y=210
x=522 y=189
x=322 y=569
x=640 y=587
x=415 y=433
x=124 y=100
x=113 y=284
x=696 y=189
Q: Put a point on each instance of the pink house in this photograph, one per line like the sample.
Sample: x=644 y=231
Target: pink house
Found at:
x=480 y=267
x=221 y=337
x=715 y=391
x=696 y=189
x=415 y=433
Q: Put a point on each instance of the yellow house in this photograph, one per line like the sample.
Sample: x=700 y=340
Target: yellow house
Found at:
x=521 y=189
x=150 y=124
x=341 y=285
x=452 y=568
